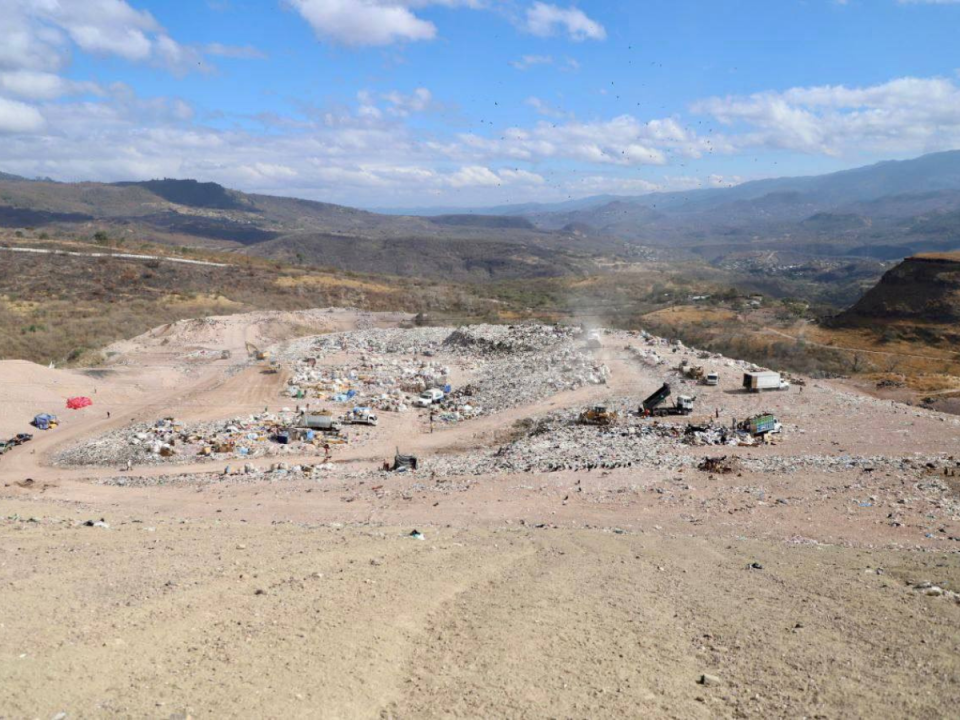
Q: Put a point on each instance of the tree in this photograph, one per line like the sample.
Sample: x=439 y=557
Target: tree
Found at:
x=100 y=237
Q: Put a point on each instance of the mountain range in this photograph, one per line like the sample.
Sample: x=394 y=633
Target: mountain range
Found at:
x=885 y=211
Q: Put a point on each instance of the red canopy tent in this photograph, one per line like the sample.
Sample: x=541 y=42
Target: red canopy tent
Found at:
x=75 y=403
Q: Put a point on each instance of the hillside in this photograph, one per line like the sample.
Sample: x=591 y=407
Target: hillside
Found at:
x=56 y=307
x=925 y=288
x=886 y=211
x=207 y=215
x=882 y=213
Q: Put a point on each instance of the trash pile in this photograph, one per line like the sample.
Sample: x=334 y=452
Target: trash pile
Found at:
x=700 y=435
x=384 y=385
x=719 y=465
x=487 y=341
x=523 y=379
x=169 y=441
x=511 y=365
x=245 y=473
x=381 y=341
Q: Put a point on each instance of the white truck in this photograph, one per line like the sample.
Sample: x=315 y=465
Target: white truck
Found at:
x=326 y=423
x=361 y=416
x=765 y=380
x=712 y=379
x=429 y=397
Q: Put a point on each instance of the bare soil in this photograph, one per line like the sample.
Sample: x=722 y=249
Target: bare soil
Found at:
x=568 y=594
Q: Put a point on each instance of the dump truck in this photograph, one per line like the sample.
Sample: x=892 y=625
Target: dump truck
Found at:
x=361 y=416
x=761 y=424
x=765 y=380
x=598 y=415
x=652 y=405
x=325 y=423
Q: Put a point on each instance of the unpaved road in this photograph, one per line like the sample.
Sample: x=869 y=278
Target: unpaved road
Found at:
x=605 y=594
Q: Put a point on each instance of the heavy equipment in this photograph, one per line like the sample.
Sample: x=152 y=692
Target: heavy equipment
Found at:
x=652 y=405
x=599 y=416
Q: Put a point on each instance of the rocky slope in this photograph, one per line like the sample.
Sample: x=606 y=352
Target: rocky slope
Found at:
x=921 y=288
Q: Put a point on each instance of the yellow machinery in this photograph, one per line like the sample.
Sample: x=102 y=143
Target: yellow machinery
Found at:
x=598 y=415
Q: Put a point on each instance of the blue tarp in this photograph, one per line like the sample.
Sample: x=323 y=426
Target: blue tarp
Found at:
x=42 y=421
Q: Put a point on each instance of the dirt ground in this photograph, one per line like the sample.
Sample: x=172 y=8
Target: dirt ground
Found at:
x=567 y=594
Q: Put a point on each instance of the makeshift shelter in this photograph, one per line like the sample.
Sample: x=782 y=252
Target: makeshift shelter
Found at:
x=76 y=403
x=404 y=462
x=44 y=421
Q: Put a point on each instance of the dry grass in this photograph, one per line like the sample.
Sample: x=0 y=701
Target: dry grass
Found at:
x=61 y=308
x=329 y=281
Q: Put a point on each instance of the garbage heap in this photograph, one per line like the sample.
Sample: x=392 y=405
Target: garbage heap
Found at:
x=170 y=441
x=382 y=384
x=380 y=341
x=539 y=363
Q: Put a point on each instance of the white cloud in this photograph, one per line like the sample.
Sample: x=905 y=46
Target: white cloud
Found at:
x=903 y=115
x=367 y=106
x=37 y=35
x=371 y=22
x=479 y=176
x=18 y=117
x=420 y=100
x=529 y=61
x=35 y=85
x=624 y=140
x=240 y=52
x=544 y=20
x=473 y=176
x=544 y=108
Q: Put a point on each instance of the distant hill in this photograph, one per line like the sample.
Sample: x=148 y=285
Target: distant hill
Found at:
x=12 y=178
x=186 y=212
x=499 y=222
x=888 y=211
x=512 y=209
x=925 y=288
x=191 y=193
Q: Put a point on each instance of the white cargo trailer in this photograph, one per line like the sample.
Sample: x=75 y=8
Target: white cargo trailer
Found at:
x=766 y=380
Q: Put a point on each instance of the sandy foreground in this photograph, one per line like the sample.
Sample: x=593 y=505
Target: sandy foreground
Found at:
x=566 y=594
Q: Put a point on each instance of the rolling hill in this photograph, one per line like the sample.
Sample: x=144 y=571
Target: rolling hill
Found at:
x=886 y=211
x=187 y=212
x=883 y=212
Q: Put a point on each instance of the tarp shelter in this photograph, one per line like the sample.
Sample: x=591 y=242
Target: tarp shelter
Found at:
x=43 y=421
x=75 y=403
x=404 y=462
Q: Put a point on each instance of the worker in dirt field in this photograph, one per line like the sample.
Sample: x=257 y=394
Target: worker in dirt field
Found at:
x=326 y=451
x=431 y=421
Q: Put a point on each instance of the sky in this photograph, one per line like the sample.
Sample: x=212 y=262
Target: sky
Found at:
x=461 y=103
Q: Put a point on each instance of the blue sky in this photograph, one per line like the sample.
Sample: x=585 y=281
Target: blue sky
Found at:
x=382 y=103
